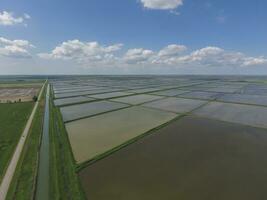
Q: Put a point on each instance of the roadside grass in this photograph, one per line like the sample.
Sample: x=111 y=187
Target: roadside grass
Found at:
x=24 y=179
x=64 y=182
x=13 y=118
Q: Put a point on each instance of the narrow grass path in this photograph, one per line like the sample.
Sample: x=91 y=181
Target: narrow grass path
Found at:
x=64 y=182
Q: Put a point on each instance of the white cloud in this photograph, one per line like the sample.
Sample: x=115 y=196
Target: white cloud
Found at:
x=84 y=52
x=15 y=48
x=138 y=56
x=8 y=18
x=202 y=54
x=21 y=43
x=168 y=54
x=162 y=4
x=218 y=57
x=172 y=50
x=250 y=61
x=92 y=54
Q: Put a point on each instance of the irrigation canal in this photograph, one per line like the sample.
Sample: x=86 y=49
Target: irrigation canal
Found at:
x=42 y=190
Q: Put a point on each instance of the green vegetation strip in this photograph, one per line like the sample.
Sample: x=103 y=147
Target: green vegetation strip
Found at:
x=64 y=182
x=23 y=182
x=13 y=118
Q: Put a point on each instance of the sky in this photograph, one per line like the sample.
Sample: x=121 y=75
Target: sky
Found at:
x=133 y=37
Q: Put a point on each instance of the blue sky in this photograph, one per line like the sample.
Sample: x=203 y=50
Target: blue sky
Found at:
x=133 y=36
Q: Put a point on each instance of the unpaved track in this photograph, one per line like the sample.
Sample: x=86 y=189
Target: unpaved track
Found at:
x=15 y=158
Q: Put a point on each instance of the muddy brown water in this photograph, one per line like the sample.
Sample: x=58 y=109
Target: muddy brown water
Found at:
x=192 y=158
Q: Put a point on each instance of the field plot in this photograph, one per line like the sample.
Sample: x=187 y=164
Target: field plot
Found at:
x=244 y=98
x=93 y=136
x=198 y=88
x=110 y=95
x=72 y=100
x=261 y=92
x=78 y=111
x=78 y=88
x=82 y=92
x=170 y=93
x=255 y=89
x=237 y=113
x=17 y=94
x=145 y=90
x=162 y=137
x=200 y=95
x=223 y=89
x=137 y=99
x=13 y=118
x=190 y=159
x=173 y=104
x=74 y=94
x=15 y=91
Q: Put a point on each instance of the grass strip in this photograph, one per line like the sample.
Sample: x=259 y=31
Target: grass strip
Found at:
x=64 y=182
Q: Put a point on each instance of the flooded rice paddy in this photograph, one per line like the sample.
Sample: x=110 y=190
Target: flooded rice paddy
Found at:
x=78 y=111
x=167 y=137
x=137 y=99
x=238 y=113
x=110 y=95
x=72 y=100
x=200 y=95
x=244 y=98
x=80 y=93
x=174 y=104
x=190 y=159
x=96 y=135
x=170 y=93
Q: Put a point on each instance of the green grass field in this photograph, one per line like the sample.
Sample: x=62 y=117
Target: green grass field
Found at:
x=23 y=182
x=13 y=118
x=64 y=182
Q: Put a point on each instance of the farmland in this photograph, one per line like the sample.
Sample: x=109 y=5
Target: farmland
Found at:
x=192 y=158
x=18 y=91
x=16 y=112
x=133 y=100
x=141 y=137
x=152 y=137
x=124 y=124
x=13 y=118
x=23 y=183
